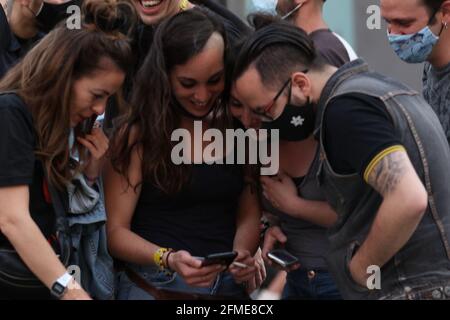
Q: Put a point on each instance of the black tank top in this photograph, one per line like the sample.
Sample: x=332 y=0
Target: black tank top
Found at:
x=200 y=219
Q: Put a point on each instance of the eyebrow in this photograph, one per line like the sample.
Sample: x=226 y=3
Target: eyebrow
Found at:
x=400 y=20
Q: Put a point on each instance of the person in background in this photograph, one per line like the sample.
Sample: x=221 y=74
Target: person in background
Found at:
x=418 y=31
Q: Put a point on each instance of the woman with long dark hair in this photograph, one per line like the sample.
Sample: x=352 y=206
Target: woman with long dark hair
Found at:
x=163 y=216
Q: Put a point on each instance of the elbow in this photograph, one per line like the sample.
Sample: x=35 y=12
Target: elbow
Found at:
x=11 y=225
x=418 y=204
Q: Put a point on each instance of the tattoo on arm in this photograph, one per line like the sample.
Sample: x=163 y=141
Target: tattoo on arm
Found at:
x=387 y=173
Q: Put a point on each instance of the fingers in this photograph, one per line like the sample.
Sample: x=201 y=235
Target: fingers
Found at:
x=273 y=236
x=247 y=273
x=97 y=143
x=279 y=235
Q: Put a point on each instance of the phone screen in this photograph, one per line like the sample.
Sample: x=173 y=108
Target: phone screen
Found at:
x=282 y=257
x=88 y=124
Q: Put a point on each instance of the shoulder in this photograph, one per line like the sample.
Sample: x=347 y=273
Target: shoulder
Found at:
x=5 y=32
x=332 y=48
x=354 y=114
x=13 y=108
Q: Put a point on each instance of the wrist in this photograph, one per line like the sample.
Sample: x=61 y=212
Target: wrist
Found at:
x=160 y=258
x=62 y=285
x=297 y=206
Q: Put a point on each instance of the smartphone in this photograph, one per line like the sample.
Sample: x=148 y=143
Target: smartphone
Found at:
x=87 y=125
x=224 y=258
x=282 y=258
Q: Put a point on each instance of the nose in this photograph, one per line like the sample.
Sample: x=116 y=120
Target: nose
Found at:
x=202 y=94
x=247 y=117
x=392 y=29
x=100 y=107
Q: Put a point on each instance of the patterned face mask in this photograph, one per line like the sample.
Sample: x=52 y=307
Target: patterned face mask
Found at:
x=414 y=48
x=266 y=6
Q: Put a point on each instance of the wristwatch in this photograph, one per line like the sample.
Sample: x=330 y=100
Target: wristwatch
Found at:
x=59 y=288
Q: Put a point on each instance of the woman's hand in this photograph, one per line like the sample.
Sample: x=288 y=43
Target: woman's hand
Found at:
x=260 y=274
x=98 y=144
x=75 y=292
x=191 y=270
x=281 y=192
x=275 y=236
x=240 y=273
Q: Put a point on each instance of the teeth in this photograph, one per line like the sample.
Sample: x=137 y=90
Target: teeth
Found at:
x=150 y=3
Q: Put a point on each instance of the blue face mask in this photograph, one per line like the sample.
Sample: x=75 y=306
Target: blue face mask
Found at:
x=266 y=6
x=414 y=48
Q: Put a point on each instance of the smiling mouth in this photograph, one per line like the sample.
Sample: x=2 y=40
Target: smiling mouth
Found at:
x=199 y=104
x=148 y=4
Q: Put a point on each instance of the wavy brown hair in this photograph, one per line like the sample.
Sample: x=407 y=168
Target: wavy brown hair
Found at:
x=153 y=115
x=44 y=78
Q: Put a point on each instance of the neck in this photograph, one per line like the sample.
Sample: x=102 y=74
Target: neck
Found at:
x=308 y=144
x=310 y=18
x=440 y=56
x=320 y=79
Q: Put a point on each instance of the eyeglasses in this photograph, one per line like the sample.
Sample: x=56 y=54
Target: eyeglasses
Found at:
x=265 y=114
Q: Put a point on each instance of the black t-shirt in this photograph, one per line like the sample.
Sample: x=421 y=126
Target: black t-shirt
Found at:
x=9 y=46
x=330 y=47
x=51 y=14
x=357 y=128
x=18 y=165
x=200 y=219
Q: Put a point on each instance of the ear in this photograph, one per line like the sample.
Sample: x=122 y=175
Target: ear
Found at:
x=301 y=81
x=446 y=12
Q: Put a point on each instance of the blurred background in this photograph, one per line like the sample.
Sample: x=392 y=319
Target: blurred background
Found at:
x=349 y=19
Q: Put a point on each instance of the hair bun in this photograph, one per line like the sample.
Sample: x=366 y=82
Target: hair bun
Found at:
x=110 y=16
x=260 y=20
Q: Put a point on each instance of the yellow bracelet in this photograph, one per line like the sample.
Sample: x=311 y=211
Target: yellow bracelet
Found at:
x=158 y=257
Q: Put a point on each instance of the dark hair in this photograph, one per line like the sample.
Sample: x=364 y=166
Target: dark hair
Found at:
x=153 y=113
x=433 y=7
x=276 y=49
x=44 y=80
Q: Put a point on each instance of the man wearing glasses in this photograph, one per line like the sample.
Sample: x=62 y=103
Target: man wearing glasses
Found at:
x=384 y=162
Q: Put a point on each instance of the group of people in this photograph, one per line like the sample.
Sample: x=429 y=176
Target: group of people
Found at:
x=86 y=123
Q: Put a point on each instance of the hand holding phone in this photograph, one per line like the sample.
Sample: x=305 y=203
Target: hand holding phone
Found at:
x=87 y=125
x=283 y=258
x=224 y=258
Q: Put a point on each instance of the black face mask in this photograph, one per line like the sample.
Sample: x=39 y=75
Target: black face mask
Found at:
x=296 y=123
